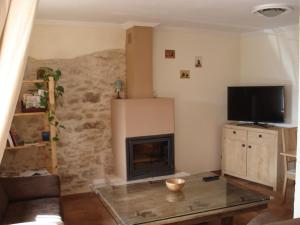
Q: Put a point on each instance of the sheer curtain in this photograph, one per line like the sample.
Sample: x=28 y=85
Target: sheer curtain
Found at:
x=4 y=6
x=297 y=187
x=15 y=31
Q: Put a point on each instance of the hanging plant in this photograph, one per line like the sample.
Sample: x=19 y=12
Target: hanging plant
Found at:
x=55 y=122
x=45 y=73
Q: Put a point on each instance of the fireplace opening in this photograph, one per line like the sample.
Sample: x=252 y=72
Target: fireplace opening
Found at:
x=150 y=156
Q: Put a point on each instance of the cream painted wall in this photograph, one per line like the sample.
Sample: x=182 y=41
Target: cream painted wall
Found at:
x=200 y=102
x=69 y=41
x=271 y=58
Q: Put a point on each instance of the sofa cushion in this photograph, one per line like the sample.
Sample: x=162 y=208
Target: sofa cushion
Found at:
x=26 y=211
x=263 y=218
x=3 y=202
x=28 y=188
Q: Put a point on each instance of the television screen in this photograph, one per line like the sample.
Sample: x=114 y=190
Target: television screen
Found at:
x=256 y=104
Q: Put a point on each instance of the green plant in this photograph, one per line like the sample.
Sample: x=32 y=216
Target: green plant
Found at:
x=45 y=73
x=55 y=122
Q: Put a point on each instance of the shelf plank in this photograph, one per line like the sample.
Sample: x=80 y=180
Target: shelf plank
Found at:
x=38 y=144
x=30 y=114
x=34 y=81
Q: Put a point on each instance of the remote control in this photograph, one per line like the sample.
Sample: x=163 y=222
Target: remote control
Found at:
x=210 y=178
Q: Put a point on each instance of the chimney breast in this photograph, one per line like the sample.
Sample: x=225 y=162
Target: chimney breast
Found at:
x=139 y=80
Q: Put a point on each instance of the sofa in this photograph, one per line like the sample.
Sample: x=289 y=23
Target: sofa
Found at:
x=287 y=222
x=22 y=199
x=268 y=218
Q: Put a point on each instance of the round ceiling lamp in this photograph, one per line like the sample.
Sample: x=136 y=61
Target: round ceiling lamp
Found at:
x=271 y=10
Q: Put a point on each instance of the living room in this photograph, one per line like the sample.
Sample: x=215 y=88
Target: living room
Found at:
x=87 y=42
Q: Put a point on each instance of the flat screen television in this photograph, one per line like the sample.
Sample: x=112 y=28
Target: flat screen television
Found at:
x=256 y=104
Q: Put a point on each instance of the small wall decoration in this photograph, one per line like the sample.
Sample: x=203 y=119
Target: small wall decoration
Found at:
x=169 y=54
x=184 y=74
x=198 y=61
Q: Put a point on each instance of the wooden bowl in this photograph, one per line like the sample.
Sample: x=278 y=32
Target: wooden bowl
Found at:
x=175 y=184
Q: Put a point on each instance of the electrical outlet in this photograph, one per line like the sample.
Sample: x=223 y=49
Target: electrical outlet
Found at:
x=184 y=74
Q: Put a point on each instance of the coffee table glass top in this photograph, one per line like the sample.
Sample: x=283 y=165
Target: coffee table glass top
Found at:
x=147 y=202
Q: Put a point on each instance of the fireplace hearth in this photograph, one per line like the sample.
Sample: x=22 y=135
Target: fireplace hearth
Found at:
x=149 y=156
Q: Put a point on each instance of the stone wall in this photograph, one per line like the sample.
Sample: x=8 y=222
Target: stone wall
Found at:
x=84 y=149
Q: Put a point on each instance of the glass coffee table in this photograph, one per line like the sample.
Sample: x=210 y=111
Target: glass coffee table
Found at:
x=199 y=201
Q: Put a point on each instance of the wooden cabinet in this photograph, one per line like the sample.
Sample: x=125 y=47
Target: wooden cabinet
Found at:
x=234 y=157
x=251 y=153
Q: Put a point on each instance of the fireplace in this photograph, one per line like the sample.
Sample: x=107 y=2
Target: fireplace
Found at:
x=141 y=121
x=149 y=156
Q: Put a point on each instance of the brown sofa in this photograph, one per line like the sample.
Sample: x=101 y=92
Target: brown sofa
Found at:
x=287 y=222
x=23 y=198
x=268 y=218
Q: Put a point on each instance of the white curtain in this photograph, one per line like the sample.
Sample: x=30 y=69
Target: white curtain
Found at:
x=297 y=187
x=4 y=6
x=16 y=30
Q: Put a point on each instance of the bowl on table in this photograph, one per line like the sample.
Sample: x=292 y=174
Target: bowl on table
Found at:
x=175 y=184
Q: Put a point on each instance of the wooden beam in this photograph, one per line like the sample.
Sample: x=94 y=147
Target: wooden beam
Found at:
x=53 y=131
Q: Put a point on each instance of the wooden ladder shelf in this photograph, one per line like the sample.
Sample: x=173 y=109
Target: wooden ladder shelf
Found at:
x=47 y=125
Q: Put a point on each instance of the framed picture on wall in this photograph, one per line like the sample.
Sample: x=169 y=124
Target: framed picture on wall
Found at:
x=198 y=62
x=169 y=54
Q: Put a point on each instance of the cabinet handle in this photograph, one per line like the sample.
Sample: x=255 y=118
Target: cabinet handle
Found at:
x=260 y=136
x=234 y=132
x=243 y=145
x=249 y=146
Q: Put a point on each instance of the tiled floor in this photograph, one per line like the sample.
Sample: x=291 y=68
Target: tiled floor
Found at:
x=85 y=209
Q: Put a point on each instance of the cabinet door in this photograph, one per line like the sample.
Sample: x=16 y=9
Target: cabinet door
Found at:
x=234 y=157
x=261 y=157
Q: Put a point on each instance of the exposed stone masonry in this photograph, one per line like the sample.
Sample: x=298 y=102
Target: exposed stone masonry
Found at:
x=84 y=149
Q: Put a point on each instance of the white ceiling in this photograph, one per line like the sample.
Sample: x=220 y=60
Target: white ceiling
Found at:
x=227 y=15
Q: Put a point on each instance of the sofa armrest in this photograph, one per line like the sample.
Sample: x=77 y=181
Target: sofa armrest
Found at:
x=25 y=188
x=287 y=222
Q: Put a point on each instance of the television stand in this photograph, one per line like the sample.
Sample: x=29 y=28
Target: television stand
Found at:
x=256 y=124
x=250 y=152
x=263 y=125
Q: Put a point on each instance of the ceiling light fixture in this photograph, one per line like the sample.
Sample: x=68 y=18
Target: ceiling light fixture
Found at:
x=272 y=10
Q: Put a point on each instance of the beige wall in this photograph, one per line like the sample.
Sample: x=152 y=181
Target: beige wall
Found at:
x=200 y=102
x=271 y=58
x=69 y=41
